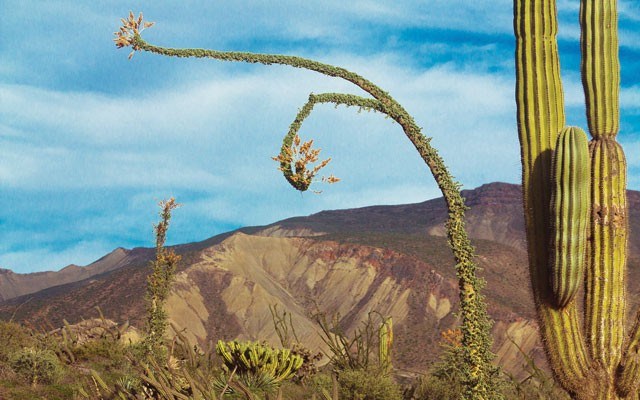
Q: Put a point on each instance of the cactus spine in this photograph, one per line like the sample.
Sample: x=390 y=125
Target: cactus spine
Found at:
x=590 y=362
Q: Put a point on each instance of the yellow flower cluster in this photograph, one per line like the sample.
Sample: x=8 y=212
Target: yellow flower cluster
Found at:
x=300 y=155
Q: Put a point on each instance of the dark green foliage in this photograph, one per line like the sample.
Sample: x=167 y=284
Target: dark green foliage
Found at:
x=13 y=337
x=445 y=380
x=33 y=365
x=283 y=324
x=358 y=384
x=361 y=350
x=446 y=377
x=361 y=362
x=185 y=371
x=433 y=387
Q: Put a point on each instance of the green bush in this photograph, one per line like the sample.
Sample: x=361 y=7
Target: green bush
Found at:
x=36 y=366
x=359 y=384
x=434 y=387
x=13 y=338
x=106 y=349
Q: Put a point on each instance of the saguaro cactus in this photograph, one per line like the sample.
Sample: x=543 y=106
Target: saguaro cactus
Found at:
x=479 y=373
x=590 y=361
x=385 y=341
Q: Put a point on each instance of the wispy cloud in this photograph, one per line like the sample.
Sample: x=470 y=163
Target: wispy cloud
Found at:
x=89 y=142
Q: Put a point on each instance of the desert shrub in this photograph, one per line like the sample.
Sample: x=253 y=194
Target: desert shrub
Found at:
x=107 y=349
x=36 y=366
x=359 y=384
x=13 y=337
x=433 y=387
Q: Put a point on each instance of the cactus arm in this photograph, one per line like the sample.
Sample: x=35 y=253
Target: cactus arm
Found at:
x=605 y=290
x=571 y=174
x=540 y=118
x=385 y=341
x=251 y=357
x=600 y=65
x=224 y=352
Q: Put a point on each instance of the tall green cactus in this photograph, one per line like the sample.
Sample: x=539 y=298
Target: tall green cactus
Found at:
x=591 y=361
x=385 y=341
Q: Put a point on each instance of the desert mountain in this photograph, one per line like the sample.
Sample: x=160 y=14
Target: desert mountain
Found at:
x=15 y=285
x=389 y=259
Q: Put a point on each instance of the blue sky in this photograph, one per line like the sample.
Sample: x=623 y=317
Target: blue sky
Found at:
x=90 y=142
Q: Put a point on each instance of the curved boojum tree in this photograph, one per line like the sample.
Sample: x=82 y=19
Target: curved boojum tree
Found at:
x=479 y=373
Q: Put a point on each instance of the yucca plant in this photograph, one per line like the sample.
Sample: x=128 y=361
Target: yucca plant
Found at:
x=295 y=165
x=575 y=203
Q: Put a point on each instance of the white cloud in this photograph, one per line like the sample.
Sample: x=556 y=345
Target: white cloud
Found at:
x=630 y=100
x=198 y=136
x=118 y=141
x=204 y=130
x=629 y=9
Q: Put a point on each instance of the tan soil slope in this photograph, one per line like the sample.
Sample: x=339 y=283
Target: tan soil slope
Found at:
x=242 y=277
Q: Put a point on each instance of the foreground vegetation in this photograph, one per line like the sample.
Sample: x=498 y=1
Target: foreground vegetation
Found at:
x=100 y=361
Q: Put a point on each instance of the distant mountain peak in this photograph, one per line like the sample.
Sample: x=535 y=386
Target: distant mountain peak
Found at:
x=493 y=193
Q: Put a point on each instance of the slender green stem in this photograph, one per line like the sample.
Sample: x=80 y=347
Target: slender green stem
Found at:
x=348 y=100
